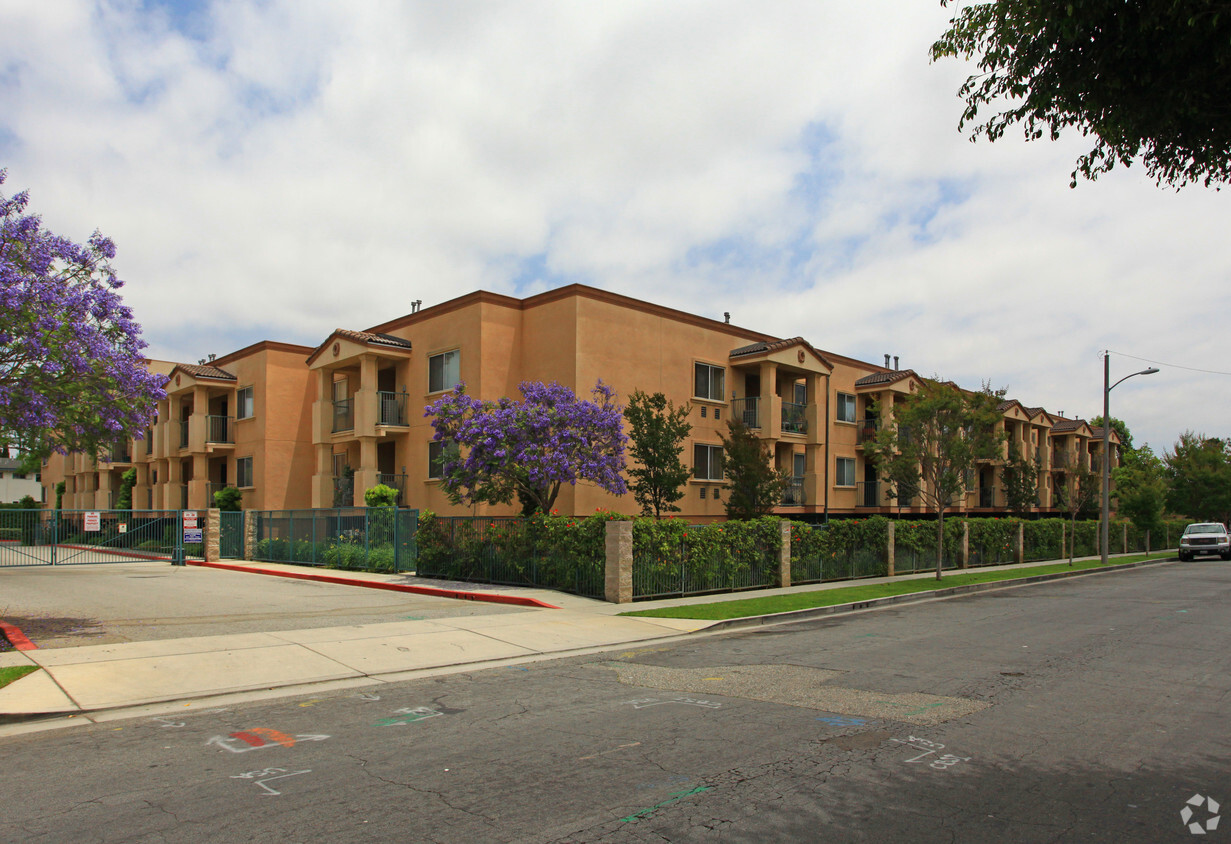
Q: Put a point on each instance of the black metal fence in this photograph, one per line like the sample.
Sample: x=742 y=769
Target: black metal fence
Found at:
x=365 y=538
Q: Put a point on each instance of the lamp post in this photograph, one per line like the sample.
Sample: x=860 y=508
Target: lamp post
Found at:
x=1105 y=526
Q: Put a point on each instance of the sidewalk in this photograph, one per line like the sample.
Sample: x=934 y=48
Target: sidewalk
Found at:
x=98 y=678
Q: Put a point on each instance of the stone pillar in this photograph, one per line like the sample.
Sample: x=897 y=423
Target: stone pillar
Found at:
x=213 y=535
x=1019 y=544
x=250 y=535
x=784 y=555
x=889 y=547
x=964 y=558
x=619 y=569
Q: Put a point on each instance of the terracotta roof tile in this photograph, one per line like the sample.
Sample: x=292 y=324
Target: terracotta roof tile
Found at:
x=889 y=377
x=205 y=371
x=370 y=337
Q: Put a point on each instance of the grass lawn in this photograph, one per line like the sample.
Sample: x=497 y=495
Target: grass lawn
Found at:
x=15 y=672
x=744 y=607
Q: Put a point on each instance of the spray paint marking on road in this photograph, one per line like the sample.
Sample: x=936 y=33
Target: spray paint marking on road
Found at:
x=676 y=797
x=408 y=716
x=259 y=738
x=368 y=696
x=930 y=748
x=269 y=775
x=842 y=721
x=643 y=703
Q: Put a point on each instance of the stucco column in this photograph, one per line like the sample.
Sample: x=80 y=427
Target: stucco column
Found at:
x=889 y=547
x=213 y=535
x=964 y=559
x=1019 y=544
x=784 y=554
x=619 y=569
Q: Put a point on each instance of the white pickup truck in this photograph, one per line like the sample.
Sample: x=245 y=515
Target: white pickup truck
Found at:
x=1205 y=538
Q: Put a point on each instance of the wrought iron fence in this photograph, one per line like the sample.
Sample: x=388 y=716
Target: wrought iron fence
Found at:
x=74 y=537
x=231 y=535
x=343 y=415
x=344 y=491
x=867 y=430
x=817 y=556
x=793 y=493
x=794 y=418
x=747 y=410
x=397 y=482
x=700 y=567
x=392 y=407
x=220 y=429
x=372 y=538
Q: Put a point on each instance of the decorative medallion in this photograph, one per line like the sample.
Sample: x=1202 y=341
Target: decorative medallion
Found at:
x=336 y=348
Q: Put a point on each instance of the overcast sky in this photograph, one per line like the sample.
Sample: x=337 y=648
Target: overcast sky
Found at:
x=274 y=170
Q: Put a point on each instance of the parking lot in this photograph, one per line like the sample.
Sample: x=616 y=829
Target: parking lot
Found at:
x=67 y=606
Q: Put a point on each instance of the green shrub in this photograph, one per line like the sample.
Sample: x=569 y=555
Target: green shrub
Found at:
x=228 y=499
x=381 y=495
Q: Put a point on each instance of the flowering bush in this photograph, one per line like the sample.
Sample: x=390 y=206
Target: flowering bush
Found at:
x=841 y=549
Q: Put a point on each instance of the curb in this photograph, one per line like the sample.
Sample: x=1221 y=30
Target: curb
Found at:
x=483 y=597
x=16 y=638
x=914 y=597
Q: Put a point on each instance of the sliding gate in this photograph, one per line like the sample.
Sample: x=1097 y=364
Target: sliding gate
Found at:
x=73 y=537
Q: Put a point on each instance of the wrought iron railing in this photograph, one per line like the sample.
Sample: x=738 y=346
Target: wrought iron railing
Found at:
x=793 y=494
x=987 y=496
x=392 y=408
x=344 y=491
x=121 y=454
x=343 y=415
x=747 y=410
x=183 y=423
x=868 y=494
x=1060 y=459
x=398 y=482
x=867 y=430
x=183 y=496
x=211 y=488
x=794 y=418
x=220 y=429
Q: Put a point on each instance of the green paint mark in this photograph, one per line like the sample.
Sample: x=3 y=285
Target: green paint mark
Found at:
x=414 y=617
x=920 y=709
x=675 y=797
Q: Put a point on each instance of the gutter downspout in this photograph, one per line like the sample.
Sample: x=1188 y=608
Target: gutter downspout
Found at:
x=827 y=416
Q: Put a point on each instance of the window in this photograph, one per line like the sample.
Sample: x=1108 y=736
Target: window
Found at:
x=707 y=462
x=801 y=393
x=709 y=382
x=243 y=472
x=846 y=407
x=845 y=474
x=243 y=403
x=444 y=371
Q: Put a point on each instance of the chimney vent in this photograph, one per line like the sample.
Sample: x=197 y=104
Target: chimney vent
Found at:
x=886 y=361
x=895 y=362
x=726 y=317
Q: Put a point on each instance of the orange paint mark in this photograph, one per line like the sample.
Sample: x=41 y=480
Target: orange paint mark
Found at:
x=273 y=735
x=249 y=738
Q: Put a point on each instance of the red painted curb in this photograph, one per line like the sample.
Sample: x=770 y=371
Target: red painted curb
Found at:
x=16 y=638
x=490 y=598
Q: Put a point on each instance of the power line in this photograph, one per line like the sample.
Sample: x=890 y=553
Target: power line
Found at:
x=1173 y=365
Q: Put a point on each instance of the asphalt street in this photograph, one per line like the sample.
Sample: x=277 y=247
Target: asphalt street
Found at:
x=1091 y=709
x=66 y=606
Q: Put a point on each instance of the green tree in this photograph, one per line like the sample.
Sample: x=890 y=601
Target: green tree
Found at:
x=754 y=486
x=657 y=430
x=1117 y=425
x=930 y=440
x=1147 y=80
x=1141 y=489
x=60 y=487
x=124 y=501
x=1078 y=495
x=1020 y=478
x=228 y=499
x=1199 y=478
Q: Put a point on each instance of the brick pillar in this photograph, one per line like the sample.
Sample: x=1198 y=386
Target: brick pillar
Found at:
x=889 y=548
x=213 y=535
x=619 y=569
x=1019 y=544
x=964 y=559
x=784 y=554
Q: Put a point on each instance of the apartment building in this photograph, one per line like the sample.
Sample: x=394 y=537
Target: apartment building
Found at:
x=295 y=427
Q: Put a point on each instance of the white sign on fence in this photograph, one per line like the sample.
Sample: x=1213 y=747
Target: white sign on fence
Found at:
x=93 y=522
x=190 y=519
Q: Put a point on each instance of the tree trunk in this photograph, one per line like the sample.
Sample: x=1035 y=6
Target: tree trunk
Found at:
x=940 y=542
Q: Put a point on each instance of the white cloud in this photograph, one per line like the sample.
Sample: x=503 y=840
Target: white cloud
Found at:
x=276 y=169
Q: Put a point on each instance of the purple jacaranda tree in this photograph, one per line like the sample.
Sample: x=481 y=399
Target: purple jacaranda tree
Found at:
x=496 y=450
x=72 y=375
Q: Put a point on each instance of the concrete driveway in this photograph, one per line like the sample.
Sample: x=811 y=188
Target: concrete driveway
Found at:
x=67 y=606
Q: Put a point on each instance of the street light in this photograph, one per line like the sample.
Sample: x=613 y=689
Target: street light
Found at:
x=1105 y=526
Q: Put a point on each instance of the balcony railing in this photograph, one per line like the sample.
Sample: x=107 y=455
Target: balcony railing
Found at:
x=183 y=423
x=220 y=429
x=987 y=496
x=747 y=410
x=344 y=491
x=343 y=415
x=121 y=454
x=210 y=489
x=868 y=494
x=794 y=418
x=398 y=482
x=149 y=441
x=392 y=407
x=1060 y=459
x=867 y=430
x=793 y=494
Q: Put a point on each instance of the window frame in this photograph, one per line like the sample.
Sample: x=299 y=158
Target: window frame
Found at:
x=840 y=403
x=711 y=465
x=839 y=461
x=709 y=381
x=443 y=357
x=239 y=473
x=239 y=402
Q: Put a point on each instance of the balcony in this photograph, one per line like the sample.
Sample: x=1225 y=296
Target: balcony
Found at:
x=391 y=408
x=120 y=454
x=220 y=429
x=398 y=482
x=1060 y=460
x=868 y=494
x=210 y=489
x=793 y=494
x=344 y=491
x=183 y=423
x=748 y=411
x=987 y=497
x=794 y=418
x=343 y=415
x=866 y=430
